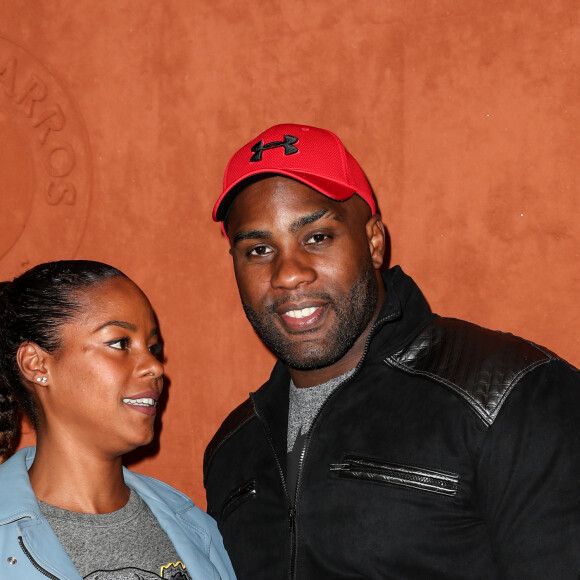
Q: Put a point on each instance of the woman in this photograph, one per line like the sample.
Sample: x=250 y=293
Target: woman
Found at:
x=79 y=354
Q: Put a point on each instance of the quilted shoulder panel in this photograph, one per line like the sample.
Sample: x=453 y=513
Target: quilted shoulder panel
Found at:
x=482 y=366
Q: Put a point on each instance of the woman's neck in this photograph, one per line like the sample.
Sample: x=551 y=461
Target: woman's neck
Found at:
x=76 y=481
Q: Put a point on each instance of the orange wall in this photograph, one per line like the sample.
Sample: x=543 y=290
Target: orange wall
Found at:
x=118 y=117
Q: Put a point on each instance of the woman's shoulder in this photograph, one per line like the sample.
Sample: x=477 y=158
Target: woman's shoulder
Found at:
x=147 y=486
x=166 y=502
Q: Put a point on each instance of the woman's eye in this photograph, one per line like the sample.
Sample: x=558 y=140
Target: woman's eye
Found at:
x=156 y=350
x=120 y=344
x=260 y=251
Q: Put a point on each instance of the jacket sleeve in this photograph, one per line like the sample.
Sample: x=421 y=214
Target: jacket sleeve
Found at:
x=528 y=477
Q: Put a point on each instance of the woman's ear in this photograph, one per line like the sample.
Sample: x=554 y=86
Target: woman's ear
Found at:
x=377 y=240
x=31 y=360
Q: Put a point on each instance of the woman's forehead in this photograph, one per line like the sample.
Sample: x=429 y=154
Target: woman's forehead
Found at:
x=119 y=297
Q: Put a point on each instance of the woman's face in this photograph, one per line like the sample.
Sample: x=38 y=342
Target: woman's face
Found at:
x=105 y=379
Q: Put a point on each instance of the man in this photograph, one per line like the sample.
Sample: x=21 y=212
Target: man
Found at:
x=388 y=442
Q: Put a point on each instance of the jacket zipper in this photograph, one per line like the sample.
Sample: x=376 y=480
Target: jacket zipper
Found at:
x=291 y=508
x=429 y=480
x=239 y=495
x=293 y=524
x=34 y=562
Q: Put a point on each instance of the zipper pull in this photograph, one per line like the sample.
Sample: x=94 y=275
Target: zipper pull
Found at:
x=291 y=516
x=338 y=466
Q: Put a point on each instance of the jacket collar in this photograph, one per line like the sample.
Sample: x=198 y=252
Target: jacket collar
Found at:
x=17 y=499
x=403 y=314
x=18 y=502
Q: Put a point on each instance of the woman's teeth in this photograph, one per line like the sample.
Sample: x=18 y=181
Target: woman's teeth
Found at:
x=141 y=402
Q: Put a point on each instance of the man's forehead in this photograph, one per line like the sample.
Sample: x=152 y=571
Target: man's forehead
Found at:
x=281 y=199
x=271 y=201
x=278 y=191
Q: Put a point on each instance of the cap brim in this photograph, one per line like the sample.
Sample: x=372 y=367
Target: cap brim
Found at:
x=330 y=188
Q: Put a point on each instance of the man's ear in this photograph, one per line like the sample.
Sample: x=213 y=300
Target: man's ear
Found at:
x=377 y=240
x=31 y=360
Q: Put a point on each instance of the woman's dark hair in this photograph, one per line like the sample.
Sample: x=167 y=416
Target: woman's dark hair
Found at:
x=33 y=307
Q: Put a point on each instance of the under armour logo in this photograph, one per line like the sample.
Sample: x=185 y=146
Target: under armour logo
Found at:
x=288 y=145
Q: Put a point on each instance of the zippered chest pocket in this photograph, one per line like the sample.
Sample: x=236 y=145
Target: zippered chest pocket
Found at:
x=429 y=480
x=237 y=497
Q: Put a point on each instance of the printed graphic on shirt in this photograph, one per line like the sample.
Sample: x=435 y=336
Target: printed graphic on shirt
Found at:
x=172 y=571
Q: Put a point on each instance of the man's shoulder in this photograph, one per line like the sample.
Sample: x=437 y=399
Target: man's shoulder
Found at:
x=482 y=366
x=233 y=422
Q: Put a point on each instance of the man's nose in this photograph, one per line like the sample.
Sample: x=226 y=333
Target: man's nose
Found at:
x=291 y=270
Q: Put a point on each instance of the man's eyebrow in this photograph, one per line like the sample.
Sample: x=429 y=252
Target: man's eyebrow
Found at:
x=308 y=219
x=294 y=226
x=251 y=235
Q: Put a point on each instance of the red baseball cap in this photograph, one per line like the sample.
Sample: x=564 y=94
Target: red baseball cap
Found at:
x=315 y=157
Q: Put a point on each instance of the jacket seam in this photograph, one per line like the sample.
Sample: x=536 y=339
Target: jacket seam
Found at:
x=486 y=417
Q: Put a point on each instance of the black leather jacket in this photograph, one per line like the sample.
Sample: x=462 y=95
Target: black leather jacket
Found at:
x=453 y=452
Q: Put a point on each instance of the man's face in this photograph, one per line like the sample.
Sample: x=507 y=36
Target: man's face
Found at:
x=304 y=270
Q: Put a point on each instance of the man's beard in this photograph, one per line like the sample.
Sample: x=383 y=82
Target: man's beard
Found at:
x=354 y=310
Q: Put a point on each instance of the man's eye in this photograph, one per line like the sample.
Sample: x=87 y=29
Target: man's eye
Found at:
x=119 y=344
x=317 y=238
x=260 y=251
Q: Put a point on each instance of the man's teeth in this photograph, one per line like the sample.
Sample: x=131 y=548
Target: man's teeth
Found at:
x=140 y=402
x=301 y=313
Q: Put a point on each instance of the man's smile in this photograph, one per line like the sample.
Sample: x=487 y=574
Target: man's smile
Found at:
x=301 y=317
x=303 y=313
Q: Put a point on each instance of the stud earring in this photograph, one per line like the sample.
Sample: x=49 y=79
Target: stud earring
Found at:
x=41 y=380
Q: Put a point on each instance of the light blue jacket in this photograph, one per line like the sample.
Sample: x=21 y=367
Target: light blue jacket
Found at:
x=30 y=550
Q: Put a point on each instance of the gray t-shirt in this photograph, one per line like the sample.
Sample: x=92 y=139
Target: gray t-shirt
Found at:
x=127 y=544
x=304 y=404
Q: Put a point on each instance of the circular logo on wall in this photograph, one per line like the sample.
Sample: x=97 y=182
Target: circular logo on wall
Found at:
x=45 y=165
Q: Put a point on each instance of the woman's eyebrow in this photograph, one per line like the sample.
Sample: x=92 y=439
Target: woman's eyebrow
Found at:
x=119 y=323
